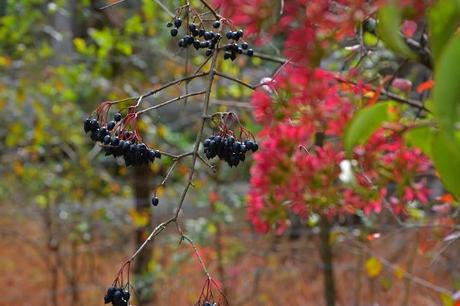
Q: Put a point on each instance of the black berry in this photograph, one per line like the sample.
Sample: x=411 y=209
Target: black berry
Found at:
x=155 y=201
x=244 y=45
x=177 y=22
x=216 y=24
x=192 y=27
x=250 y=52
x=111 y=125
x=174 y=32
x=117 y=117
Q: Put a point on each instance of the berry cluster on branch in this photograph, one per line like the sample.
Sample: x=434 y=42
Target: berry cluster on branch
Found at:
x=119 y=137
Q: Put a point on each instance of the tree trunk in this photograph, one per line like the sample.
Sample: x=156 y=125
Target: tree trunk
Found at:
x=326 y=257
x=143 y=193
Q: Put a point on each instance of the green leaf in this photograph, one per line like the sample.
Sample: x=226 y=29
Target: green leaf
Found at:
x=446 y=92
x=388 y=30
x=364 y=123
x=421 y=138
x=443 y=19
x=446 y=157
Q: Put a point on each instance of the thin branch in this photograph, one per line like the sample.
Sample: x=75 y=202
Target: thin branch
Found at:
x=111 y=4
x=200 y=133
x=165 y=8
x=192 y=244
x=195 y=154
x=172 y=83
x=212 y=167
x=236 y=80
x=171 y=101
x=211 y=9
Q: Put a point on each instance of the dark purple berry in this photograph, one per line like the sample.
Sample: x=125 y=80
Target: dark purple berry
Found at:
x=111 y=125
x=87 y=125
x=117 y=117
x=155 y=201
x=229 y=35
x=107 y=139
x=192 y=27
x=244 y=45
x=177 y=22
x=174 y=32
x=216 y=24
x=250 y=52
x=208 y=35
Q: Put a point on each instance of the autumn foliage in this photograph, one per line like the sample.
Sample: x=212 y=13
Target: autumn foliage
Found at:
x=302 y=166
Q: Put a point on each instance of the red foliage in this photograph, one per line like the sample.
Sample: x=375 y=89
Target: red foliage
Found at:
x=292 y=173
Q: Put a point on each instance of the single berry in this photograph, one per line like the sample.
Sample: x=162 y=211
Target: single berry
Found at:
x=178 y=22
x=240 y=50
x=87 y=125
x=155 y=201
x=204 y=44
x=117 y=117
x=239 y=33
x=126 y=295
x=107 y=299
x=111 y=125
x=206 y=303
x=250 y=52
x=94 y=125
x=201 y=32
x=197 y=44
x=208 y=35
x=229 y=35
x=181 y=43
x=208 y=52
x=236 y=35
x=216 y=24
x=192 y=27
x=244 y=45
x=174 y=32
x=227 y=54
x=169 y=24
x=107 y=139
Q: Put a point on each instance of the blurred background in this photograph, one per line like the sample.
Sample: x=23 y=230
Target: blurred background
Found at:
x=69 y=216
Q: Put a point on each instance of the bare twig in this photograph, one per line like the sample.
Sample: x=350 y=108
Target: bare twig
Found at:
x=171 y=101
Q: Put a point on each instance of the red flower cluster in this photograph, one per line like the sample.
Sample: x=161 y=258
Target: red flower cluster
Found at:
x=294 y=172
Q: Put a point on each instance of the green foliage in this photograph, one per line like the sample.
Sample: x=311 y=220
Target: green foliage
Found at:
x=446 y=158
x=446 y=93
x=388 y=30
x=443 y=20
x=365 y=122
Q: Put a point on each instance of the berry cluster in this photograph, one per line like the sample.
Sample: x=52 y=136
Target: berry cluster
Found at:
x=232 y=49
x=118 y=141
x=198 y=37
x=228 y=149
x=117 y=296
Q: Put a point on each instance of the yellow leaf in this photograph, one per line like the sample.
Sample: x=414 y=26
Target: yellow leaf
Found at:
x=399 y=272
x=373 y=267
x=80 y=44
x=160 y=191
x=140 y=219
x=447 y=300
